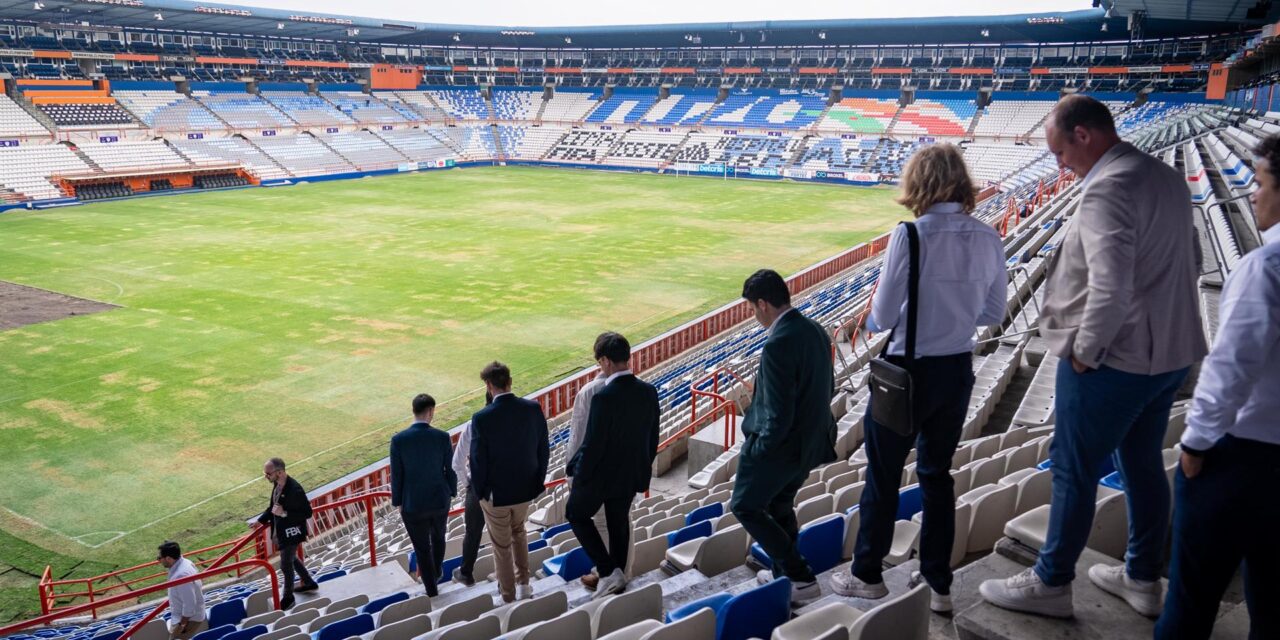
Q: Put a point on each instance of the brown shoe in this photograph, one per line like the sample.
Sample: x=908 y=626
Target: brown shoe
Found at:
x=590 y=581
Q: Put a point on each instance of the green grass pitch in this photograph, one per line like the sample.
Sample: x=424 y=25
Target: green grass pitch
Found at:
x=299 y=321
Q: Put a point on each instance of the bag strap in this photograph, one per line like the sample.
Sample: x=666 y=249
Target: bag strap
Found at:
x=913 y=289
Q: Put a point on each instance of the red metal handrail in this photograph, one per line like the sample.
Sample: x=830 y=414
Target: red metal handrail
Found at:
x=719 y=403
x=256 y=563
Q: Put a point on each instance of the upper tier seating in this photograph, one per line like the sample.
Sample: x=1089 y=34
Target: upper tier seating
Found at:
x=233 y=150
x=86 y=115
x=127 y=156
x=994 y=162
x=364 y=108
x=244 y=111
x=417 y=102
x=26 y=169
x=516 y=104
x=365 y=150
x=939 y=118
x=307 y=110
x=681 y=108
x=767 y=111
x=15 y=121
x=623 y=107
x=418 y=145
x=527 y=142
x=463 y=104
x=1012 y=118
x=583 y=145
x=860 y=115
x=569 y=106
x=303 y=155
x=741 y=151
x=169 y=111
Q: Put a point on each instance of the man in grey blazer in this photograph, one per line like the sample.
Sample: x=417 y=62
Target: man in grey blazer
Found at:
x=1121 y=311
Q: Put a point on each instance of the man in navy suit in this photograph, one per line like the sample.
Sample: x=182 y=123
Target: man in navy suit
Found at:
x=509 y=457
x=614 y=462
x=423 y=485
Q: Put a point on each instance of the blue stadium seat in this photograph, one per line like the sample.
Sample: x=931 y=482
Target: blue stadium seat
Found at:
x=697 y=530
x=333 y=575
x=821 y=544
x=550 y=533
x=909 y=502
x=216 y=633
x=537 y=544
x=375 y=606
x=353 y=626
x=713 y=510
x=229 y=612
x=247 y=634
x=753 y=614
x=570 y=565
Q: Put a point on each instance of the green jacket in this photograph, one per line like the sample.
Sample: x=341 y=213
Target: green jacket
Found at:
x=789 y=421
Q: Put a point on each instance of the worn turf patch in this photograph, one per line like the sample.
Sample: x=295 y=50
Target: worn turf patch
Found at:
x=21 y=305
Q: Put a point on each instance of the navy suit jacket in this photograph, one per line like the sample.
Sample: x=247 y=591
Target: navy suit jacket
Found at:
x=617 y=452
x=509 y=451
x=422 y=476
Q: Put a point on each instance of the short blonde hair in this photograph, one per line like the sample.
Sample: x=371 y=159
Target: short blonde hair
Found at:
x=935 y=174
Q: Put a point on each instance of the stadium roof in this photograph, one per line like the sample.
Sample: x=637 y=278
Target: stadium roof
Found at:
x=1070 y=26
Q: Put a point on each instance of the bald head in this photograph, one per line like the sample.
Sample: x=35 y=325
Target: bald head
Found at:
x=1079 y=131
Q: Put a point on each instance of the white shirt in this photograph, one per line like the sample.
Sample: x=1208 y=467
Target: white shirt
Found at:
x=582 y=411
x=461 y=456
x=627 y=372
x=1237 y=391
x=775 y=320
x=185 y=600
x=963 y=283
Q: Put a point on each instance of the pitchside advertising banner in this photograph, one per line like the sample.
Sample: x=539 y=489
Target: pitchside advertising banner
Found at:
x=8 y=143
x=711 y=168
x=764 y=171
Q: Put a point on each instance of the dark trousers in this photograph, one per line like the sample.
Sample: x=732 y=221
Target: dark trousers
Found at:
x=580 y=511
x=473 y=528
x=1228 y=513
x=291 y=563
x=942 y=386
x=763 y=500
x=1108 y=413
x=426 y=532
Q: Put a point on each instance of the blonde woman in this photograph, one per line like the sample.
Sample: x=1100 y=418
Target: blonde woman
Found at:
x=962 y=282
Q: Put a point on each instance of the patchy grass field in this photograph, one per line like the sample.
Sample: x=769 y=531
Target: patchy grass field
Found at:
x=299 y=321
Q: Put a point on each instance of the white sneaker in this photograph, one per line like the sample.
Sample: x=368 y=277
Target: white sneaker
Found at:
x=524 y=592
x=1026 y=593
x=764 y=576
x=848 y=585
x=804 y=592
x=938 y=602
x=1142 y=595
x=614 y=583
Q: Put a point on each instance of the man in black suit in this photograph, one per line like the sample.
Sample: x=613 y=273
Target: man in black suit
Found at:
x=614 y=462
x=788 y=429
x=509 y=457
x=423 y=485
x=287 y=514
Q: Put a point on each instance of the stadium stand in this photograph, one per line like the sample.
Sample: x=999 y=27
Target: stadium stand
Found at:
x=70 y=115
x=944 y=117
x=516 y=104
x=418 y=145
x=15 y=121
x=1012 y=118
x=569 y=105
x=168 y=110
x=365 y=108
x=26 y=170
x=125 y=155
x=739 y=151
x=303 y=155
x=623 y=107
x=460 y=103
x=995 y=162
x=583 y=145
x=417 y=102
x=764 y=109
x=244 y=111
x=644 y=149
x=684 y=108
x=234 y=149
x=307 y=110
x=364 y=150
x=866 y=115
x=525 y=142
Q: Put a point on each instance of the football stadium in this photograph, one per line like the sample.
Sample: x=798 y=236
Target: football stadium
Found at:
x=232 y=234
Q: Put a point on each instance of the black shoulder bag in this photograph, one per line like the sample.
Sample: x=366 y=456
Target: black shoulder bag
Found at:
x=891 y=385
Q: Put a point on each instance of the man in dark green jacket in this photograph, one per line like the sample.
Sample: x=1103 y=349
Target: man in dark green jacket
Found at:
x=788 y=429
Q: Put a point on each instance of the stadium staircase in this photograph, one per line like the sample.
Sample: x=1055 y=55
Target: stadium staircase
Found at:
x=331 y=148
x=84 y=157
x=542 y=107
x=973 y=124
x=274 y=161
x=35 y=112
x=893 y=122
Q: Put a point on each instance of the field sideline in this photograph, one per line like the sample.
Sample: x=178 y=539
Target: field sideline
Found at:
x=299 y=321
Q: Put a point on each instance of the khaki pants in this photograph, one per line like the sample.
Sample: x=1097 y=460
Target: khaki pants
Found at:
x=193 y=628
x=510 y=545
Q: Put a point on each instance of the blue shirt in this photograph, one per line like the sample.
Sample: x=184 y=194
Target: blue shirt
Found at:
x=1237 y=390
x=963 y=283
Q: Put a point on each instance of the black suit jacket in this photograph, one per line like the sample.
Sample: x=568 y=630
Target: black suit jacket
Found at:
x=509 y=451
x=621 y=441
x=789 y=421
x=292 y=528
x=422 y=476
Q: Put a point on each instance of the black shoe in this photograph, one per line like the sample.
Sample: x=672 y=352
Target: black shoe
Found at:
x=286 y=602
x=307 y=588
x=462 y=579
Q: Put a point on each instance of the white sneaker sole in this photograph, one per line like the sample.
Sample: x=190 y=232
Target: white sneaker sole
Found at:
x=1050 y=608
x=805 y=597
x=1140 y=602
x=869 y=592
x=940 y=606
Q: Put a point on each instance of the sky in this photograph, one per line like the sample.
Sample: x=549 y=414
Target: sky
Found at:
x=565 y=13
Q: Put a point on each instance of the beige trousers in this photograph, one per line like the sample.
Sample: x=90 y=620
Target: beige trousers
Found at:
x=510 y=545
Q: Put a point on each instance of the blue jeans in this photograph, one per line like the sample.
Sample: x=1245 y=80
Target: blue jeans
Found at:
x=942 y=386
x=1101 y=413
x=1228 y=513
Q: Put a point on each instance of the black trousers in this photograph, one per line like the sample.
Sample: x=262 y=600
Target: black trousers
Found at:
x=426 y=532
x=291 y=563
x=473 y=527
x=942 y=386
x=763 y=500
x=582 y=507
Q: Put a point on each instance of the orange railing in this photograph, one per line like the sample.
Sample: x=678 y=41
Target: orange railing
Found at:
x=720 y=407
x=240 y=566
x=261 y=550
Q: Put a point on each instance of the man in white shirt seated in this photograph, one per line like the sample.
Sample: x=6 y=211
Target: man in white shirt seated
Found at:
x=186 y=601
x=1226 y=511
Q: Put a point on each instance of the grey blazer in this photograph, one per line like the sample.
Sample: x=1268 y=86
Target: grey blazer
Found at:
x=1121 y=289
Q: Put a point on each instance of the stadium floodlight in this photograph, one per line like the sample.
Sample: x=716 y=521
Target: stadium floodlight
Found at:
x=822 y=35
x=568 y=40
x=986 y=33
x=159 y=16
x=37 y=6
